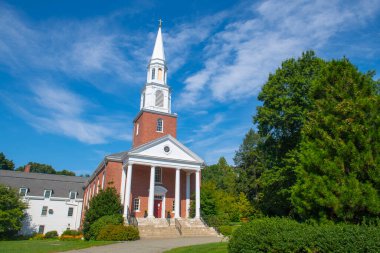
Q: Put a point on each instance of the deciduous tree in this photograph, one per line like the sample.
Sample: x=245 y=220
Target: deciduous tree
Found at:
x=11 y=212
x=6 y=164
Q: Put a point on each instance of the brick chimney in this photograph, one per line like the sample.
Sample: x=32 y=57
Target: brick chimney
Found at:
x=27 y=168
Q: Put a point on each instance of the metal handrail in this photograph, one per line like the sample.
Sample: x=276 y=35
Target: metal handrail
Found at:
x=131 y=219
x=203 y=221
x=178 y=226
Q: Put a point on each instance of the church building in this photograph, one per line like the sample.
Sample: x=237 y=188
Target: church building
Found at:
x=157 y=177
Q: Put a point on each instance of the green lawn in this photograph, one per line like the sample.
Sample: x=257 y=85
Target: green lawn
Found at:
x=218 y=247
x=46 y=246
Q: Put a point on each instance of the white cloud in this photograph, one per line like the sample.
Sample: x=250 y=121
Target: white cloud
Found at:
x=91 y=50
x=218 y=118
x=239 y=58
x=53 y=109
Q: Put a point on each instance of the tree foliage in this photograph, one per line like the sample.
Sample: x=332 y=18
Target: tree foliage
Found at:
x=316 y=153
x=249 y=165
x=5 y=164
x=45 y=168
x=286 y=102
x=338 y=173
x=221 y=174
x=106 y=202
x=11 y=212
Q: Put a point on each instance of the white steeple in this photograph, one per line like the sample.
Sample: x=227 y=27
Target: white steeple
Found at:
x=156 y=94
x=158 y=52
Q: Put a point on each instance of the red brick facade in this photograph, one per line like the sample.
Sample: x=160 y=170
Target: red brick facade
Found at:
x=140 y=186
x=146 y=122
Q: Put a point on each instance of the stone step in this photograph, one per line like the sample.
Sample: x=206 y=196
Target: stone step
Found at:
x=161 y=228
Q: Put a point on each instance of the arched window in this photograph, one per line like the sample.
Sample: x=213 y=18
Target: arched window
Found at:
x=159 y=74
x=159 y=98
x=153 y=73
x=160 y=125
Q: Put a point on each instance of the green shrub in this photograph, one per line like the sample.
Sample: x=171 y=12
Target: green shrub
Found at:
x=216 y=221
x=38 y=237
x=284 y=235
x=225 y=230
x=95 y=228
x=71 y=232
x=118 y=233
x=51 y=234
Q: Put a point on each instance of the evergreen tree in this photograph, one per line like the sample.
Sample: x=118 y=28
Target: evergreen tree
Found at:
x=106 y=202
x=11 y=212
x=6 y=164
x=280 y=119
x=338 y=172
x=221 y=174
x=249 y=165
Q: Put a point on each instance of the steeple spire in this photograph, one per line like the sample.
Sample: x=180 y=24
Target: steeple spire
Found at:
x=156 y=95
x=158 y=51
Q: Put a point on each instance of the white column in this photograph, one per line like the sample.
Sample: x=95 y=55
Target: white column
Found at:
x=163 y=211
x=177 y=203
x=122 y=187
x=197 y=196
x=187 y=194
x=127 y=195
x=151 y=192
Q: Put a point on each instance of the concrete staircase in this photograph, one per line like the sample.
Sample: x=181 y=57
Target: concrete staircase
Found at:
x=162 y=228
x=195 y=227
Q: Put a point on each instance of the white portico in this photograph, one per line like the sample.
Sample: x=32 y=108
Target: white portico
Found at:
x=168 y=153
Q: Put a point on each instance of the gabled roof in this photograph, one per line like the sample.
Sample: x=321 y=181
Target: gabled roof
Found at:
x=38 y=182
x=155 y=148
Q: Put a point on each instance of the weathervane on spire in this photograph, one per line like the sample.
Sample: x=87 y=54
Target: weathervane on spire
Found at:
x=160 y=22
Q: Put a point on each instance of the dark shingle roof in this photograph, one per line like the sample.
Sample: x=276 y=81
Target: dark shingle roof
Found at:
x=38 y=182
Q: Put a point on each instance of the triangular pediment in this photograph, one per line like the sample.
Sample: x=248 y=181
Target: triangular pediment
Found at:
x=166 y=147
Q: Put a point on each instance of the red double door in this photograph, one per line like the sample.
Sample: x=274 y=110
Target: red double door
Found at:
x=157 y=208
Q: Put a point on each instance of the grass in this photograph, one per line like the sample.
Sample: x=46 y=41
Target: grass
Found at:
x=46 y=246
x=218 y=247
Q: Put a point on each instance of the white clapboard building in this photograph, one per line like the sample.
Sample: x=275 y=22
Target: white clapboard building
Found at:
x=54 y=201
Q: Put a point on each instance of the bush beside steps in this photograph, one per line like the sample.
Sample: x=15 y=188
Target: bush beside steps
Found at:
x=118 y=233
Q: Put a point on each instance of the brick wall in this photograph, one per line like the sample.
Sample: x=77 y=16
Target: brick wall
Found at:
x=147 y=127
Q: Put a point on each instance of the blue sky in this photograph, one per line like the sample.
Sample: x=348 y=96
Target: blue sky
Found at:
x=71 y=72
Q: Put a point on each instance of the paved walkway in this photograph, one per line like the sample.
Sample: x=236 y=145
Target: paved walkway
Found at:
x=148 y=245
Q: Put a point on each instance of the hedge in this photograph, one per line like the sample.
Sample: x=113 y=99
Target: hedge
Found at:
x=71 y=232
x=51 y=234
x=95 y=228
x=284 y=235
x=118 y=233
x=71 y=235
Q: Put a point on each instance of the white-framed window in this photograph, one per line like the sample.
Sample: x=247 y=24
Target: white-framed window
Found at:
x=47 y=194
x=70 y=211
x=173 y=206
x=23 y=191
x=44 y=211
x=73 y=195
x=159 y=98
x=153 y=73
x=103 y=178
x=41 y=229
x=136 y=204
x=137 y=128
x=158 y=175
x=160 y=125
